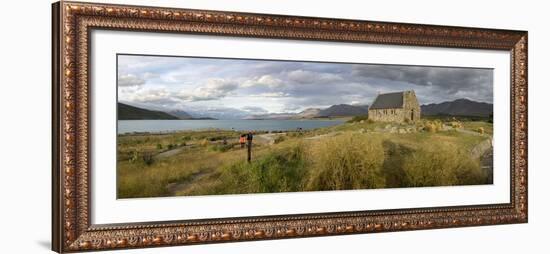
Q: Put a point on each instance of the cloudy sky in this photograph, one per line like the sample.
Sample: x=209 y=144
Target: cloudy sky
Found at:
x=235 y=88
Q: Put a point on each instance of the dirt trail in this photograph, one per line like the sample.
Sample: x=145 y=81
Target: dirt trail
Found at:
x=268 y=138
x=169 y=153
x=330 y=134
x=175 y=188
x=475 y=133
x=173 y=152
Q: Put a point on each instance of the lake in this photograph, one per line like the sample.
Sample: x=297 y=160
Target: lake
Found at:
x=128 y=126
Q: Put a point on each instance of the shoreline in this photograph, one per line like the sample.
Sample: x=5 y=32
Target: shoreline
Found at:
x=255 y=119
x=195 y=131
x=338 y=121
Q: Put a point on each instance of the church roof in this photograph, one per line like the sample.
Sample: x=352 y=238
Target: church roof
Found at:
x=388 y=100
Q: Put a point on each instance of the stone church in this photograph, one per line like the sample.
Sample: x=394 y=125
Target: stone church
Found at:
x=395 y=107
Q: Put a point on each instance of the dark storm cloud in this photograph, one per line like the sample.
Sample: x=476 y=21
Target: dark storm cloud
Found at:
x=445 y=81
x=313 y=77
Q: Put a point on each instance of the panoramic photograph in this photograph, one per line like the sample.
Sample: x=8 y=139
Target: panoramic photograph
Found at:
x=189 y=126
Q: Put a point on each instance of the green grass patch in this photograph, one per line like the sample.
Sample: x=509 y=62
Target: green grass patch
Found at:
x=282 y=170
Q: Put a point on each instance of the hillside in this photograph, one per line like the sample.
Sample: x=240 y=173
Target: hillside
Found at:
x=309 y=113
x=127 y=112
x=460 y=107
x=344 y=110
x=272 y=116
x=180 y=114
x=332 y=111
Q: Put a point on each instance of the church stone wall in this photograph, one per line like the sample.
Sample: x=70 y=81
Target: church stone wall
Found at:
x=387 y=115
x=411 y=106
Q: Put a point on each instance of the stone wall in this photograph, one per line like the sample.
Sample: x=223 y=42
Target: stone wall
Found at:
x=411 y=106
x=387 y=115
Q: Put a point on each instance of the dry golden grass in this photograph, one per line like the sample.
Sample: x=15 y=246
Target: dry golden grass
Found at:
x=347 y=161
x=350 y=160
x=441 y=164
x=137 y=179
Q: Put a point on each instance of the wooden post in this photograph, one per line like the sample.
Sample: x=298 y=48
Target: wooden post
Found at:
x=249 y=150
x=249 y=141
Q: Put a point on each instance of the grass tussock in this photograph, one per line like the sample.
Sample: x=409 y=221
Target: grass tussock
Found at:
x=441 y=164
x=346 y=162
x=431 y=126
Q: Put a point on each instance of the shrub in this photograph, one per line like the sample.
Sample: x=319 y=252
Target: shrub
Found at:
x=218 y=137
x=441 y=164
x=470 y=173
x=347 y=162
x=430 y=127
x=433 y=126
x=147 y=158
x=358 y=119
x=280 y=171
x=456 y=125
x=134 y=156
x=481 y=130
x=279 y=139
x=295 y=134
x=159 y=146
x=221 y=147
x=438 y=125
x=419 y=125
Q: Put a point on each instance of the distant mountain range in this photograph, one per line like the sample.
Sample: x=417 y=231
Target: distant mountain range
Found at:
x=127 y=112
x=272 y=116
x=180 y=114
x=460 y=107
x=308 y=113
x=344 y=110
x=332 y=111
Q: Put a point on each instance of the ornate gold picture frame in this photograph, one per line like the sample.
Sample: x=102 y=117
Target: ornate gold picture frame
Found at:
x=72 y=229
